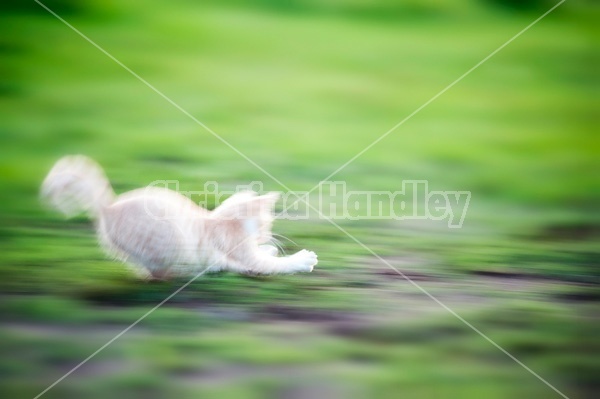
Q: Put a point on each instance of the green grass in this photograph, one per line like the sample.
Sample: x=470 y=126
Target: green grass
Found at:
x=300 y=87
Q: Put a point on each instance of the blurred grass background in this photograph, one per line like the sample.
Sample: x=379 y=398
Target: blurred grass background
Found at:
x=300 y=87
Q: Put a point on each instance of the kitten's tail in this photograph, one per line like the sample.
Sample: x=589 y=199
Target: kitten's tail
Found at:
x=77 y=184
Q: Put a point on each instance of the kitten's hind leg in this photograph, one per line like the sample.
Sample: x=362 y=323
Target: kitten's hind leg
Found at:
x=140 y=272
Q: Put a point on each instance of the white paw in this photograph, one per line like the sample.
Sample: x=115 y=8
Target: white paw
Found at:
x=304 y=261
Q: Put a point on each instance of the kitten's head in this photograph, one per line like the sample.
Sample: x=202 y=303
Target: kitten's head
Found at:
x=255 y=212
x=265 y=234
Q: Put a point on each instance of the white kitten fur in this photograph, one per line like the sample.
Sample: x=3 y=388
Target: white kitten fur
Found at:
x=163 y=234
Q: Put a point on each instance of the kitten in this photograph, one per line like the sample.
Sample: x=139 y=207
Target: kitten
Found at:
x=164 y=234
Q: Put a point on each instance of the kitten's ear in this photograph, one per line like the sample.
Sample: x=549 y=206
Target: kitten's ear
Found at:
x=268 y=201
x=247 y=205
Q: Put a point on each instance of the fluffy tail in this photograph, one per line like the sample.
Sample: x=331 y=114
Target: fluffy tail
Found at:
x=77 y=184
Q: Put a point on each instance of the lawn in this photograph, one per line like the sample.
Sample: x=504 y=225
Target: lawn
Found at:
x=300 y=87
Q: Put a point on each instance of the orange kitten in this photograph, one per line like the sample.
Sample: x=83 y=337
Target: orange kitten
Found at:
x=162 y=233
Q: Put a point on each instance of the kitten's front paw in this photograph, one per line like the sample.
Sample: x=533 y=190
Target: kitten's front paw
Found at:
x=306 y=260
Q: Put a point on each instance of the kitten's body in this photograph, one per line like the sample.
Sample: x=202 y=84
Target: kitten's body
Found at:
x=163 y=234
